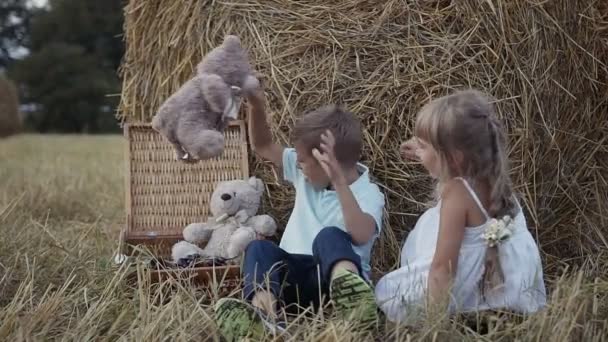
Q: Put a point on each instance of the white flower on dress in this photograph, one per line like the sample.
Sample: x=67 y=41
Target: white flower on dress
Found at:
x=498 y=231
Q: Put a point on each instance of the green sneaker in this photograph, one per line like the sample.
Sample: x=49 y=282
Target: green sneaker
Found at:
x=237 y=319
x=354 y=299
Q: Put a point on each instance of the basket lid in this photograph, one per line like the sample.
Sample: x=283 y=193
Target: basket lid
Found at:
x=164 y=195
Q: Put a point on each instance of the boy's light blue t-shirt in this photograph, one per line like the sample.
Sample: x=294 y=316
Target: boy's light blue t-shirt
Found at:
x=314 y=210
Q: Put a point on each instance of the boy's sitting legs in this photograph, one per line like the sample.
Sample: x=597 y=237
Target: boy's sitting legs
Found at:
x=274 y=278
x=272 y=275
x=342 y=278
x=332 y=250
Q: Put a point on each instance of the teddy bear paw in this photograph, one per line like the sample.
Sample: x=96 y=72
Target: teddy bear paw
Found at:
x=187 y=158
x=236 y=91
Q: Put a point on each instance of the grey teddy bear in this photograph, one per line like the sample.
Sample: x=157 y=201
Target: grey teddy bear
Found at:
x=233 y=225
x=193 y=119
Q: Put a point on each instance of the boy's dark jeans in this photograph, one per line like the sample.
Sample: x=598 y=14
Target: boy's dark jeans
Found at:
x=296 y=278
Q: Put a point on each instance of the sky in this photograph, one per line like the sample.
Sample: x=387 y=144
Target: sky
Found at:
x=20 y=52
x=39 y=3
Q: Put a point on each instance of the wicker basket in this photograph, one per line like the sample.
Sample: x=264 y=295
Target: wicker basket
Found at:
x=164 y=195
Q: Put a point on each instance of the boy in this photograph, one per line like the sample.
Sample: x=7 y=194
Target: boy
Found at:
x=325 y=249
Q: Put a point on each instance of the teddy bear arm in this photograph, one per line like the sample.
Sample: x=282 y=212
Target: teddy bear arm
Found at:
x=263 y=224
x=215 y=91
x=239 y=241
x=198 y=232
x=159 y=125
x=184 y=249
x=199 y=142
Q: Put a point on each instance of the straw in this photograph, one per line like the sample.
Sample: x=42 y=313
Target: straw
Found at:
x=544 y=62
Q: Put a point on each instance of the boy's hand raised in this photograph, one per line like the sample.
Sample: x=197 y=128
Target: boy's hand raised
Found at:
x=360 y=225
x=327 y=159
x=255 y=95
x=260 y=137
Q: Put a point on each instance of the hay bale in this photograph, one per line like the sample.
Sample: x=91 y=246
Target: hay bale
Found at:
x=543 y=60
x=10 y=122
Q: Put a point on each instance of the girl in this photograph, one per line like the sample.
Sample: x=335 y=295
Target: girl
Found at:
x=473 y=248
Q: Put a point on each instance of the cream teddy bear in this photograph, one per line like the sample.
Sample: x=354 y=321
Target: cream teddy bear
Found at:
x=232 y=227
x=193 y=119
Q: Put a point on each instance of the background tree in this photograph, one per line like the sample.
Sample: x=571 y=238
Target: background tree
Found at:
x=15 y=17
x=70 y=77
x=9 y=108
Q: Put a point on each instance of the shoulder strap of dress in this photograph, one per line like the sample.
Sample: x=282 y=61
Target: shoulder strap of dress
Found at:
x=474 y=196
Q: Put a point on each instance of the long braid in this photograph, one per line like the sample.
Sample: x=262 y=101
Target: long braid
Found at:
x=500 y=205
x=501 y=197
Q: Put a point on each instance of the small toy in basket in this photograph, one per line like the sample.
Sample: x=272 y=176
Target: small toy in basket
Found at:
x=232 y=226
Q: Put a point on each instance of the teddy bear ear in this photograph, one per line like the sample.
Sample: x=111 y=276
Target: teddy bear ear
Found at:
x=256 y=183
x=232 y=40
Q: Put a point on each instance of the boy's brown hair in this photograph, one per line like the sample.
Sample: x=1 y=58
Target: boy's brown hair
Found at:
x=344 y=125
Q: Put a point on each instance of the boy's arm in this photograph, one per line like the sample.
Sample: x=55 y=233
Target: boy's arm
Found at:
x=360 y=225
x=260 y=136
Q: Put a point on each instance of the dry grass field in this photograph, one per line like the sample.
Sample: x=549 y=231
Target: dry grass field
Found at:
x=61 y=208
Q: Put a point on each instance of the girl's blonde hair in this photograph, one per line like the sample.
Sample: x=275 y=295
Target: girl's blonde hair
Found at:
x=463 y=127
x=465 y=123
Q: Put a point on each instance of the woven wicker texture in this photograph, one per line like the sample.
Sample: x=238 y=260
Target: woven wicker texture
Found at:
x=163 y=194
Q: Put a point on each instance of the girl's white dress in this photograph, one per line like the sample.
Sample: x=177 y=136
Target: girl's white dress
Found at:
x=401 y=292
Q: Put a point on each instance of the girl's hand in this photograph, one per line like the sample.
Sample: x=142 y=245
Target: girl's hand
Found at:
x=327 y=159
x=408 y=150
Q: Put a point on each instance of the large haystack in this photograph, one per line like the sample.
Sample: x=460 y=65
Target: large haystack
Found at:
x=10 y=122
x=545 y=62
